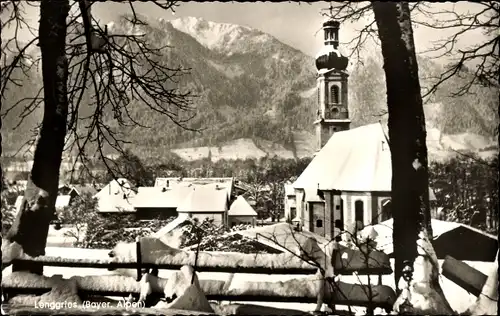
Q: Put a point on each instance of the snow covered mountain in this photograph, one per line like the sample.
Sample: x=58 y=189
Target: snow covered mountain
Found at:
x=253 y=89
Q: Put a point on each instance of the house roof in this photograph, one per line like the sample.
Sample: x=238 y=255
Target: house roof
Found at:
x=159 y=197
x=115 y=204
x=280 y=236
x=84 y=189
x=242 y=185
x=62 y=201
x=354 y=160
x=439 y=227
x=227 y=183
x=63 y=185
x=312 y=195
x=240 y=207
x=116 y=196
x=179 y=220
x=204 y=199
x=116 y=187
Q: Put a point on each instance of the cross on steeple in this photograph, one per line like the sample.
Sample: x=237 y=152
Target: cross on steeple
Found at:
x=330 y=8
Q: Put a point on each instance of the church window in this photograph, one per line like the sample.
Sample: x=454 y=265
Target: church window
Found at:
x=319 y=223
x=341 y=214
x=386 y=209
x=359 y=211
x=334 y=94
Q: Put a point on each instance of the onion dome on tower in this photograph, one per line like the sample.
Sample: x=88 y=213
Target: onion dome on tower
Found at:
x=329 y=56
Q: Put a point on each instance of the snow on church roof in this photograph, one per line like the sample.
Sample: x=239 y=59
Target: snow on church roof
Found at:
x=354 y=160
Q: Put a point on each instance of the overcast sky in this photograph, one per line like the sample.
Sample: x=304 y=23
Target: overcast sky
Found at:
x=292 y=23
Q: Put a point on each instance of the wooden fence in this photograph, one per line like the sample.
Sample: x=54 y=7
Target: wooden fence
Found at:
x=302 y=290
x=345 y=261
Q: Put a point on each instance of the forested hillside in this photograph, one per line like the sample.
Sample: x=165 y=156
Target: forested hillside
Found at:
x=247 y=84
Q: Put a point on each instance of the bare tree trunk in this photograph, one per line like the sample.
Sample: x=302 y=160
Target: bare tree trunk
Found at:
x=31 y=226
x=407 y=134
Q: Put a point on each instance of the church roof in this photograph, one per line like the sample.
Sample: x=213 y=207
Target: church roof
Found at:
x=354 y=160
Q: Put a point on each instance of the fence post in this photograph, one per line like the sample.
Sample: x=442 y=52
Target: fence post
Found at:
x=139 y=258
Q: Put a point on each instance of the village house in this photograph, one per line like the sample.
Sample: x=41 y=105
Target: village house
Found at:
x=348 y=182
x=458 y=240
x=116 y=197
x=170 y=197
x=76 y=190
x=241 y=212
x=232 y=186
x=290 y=205
x=206 y=201
x=159 y=202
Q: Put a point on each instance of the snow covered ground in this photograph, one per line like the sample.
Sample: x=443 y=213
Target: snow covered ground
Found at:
x=458 y=298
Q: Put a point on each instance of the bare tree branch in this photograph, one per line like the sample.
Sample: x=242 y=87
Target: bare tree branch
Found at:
x=110 y=72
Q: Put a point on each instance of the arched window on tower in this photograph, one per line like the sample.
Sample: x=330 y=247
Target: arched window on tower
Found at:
x=334 y=94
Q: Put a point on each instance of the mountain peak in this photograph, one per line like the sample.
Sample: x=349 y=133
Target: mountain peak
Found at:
x=222 y=37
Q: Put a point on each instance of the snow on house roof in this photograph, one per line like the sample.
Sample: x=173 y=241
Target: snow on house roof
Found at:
x=240 y=207
x=84 y=189
x=116 y=196
x=116 y=187
x=63 y=185
x=281 y=236
x=204 y=199
x=62 y=201
x=354 y=160
x=116 y=204
x=181 y=218
x=439 y=227
x=312 y=195
x=174 y=182
x=160 y=197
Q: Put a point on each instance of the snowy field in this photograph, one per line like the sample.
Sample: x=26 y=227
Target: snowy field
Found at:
x=458 y=298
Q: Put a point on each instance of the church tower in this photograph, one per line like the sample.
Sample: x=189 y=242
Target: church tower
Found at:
x=333 y=112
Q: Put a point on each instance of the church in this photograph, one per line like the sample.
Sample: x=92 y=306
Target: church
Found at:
x=348 y=182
